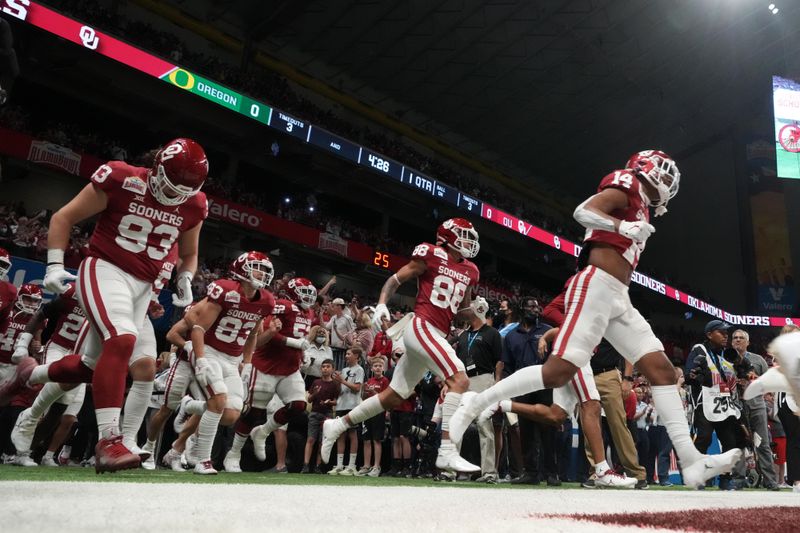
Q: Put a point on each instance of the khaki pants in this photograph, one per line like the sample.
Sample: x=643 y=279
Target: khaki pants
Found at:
x=609 y=386
x=486 y=429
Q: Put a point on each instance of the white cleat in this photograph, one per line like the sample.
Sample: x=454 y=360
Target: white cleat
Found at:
x=49 y=461
x=24 y=459
x=182 y=416
x=331 y=431
x=259 y=437
x=461 y=419
x=172 y=459
x=231 y=463
x=22 y=434
x=786 y=349
x=205 y=468
x=450 y=460
x=188 y=453
x=149 y=463
x=696 y=474
x=610 y=479
x=135 y=449
x=770 y=381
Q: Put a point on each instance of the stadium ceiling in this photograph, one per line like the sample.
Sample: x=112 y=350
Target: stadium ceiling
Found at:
x=559 y=89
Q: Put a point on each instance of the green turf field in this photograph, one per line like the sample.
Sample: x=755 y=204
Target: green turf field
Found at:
x=16 y=473
x=788 y=163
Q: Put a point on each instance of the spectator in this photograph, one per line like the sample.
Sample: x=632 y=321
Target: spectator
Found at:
x=381 y=348
x=778 y=436
x=315 y=354
x=362 y=336
x=351 y=380
x=322 y=395
x=375 y=427
x=339 y=326
x=659 y=449
x=755 y=413
x=640 y=419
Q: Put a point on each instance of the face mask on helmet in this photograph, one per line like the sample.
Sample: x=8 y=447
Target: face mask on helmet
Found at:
x=659 y=171
x=5 y=263
x=256 y=271
x=178 y=173
x=166 y=192
x=28 y=300
x=303 y=292
x=461 y=236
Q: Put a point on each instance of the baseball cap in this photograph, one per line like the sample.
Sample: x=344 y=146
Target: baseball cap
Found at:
x=715 y=325
x=337 y=301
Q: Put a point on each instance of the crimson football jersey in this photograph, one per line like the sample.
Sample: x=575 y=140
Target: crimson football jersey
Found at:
x=135 y=232
x=238 y=317
x=166 y=270
x=8 y=295
x=275 y=358
x=16 y=326
x=70 y=319
x=443 y=285
x=554 y=312
x=638 y=209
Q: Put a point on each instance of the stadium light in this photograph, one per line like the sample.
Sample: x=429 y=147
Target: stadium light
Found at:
x=775 y=11
x=287 y=200
x=771 y=7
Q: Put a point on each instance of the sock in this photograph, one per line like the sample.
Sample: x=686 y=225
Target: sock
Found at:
x=136 y=405
x=238 y=443
x=66 y=451
x=352 y=463
x=670 y=410
x=365 y=410
x=600 y=468
x=206 y=432
x=39 y=375
x=107 y=421
x=150 y=445
x=528 y=379
x=49 y=394
x=505 y=406
x=47 y=455
x=195 y=407
x=68 y=369
x=108 y=383
x=339 y=460
x=451 y=402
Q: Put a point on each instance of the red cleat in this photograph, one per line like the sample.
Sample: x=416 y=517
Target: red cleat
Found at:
x=18 y=382
x=111 y=455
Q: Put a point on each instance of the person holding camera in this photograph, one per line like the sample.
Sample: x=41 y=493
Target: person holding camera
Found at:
x=714 y=375
x=480 y=348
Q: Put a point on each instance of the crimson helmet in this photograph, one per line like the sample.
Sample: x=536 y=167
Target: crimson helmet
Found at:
x=245 y=266
x=460 y=235
x=5 y=262
x=659 y=170
x=29 y=298
x=302 y=291
x=178 y=172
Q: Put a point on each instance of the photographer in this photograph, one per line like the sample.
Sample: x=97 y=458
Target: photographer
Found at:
x=714 y=380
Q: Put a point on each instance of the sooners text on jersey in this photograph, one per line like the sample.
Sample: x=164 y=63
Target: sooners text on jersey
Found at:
x=238 y=317
x=637 y=209
x=16 y=326
x=70 y=320
x=135 y=232
x=276 y=358
x=443 y=285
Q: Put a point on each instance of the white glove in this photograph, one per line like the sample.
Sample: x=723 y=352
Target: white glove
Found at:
x=381 y=314
x=203 y=372
x=56 y=278
x=189 y=349
x=299 y=344
x=637 y=231
x=183 y=289
x=247 y=373
x=21 y=348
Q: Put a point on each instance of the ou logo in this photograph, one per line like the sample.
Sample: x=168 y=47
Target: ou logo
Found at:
x=89 y=38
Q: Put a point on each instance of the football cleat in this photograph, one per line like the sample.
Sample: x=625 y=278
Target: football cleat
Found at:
x=188 y=454
x=786 y=349
x=18 y=382
x=135 y=449
x=205 y=468
x=231 y=463
x=49 y=461
x=611 y=479
x=24 y=429
x=331 y=430
x=149 y=463
x=772 y=380
x=462 y=418
x=112 y=455
x=23 y=459
x=708 y=466
x=450 y=460
x=259 y=436
x=172 y=459
x=182 y=416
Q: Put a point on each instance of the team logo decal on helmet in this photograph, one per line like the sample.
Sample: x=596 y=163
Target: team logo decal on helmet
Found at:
x=29 y=298
x=179 y=171
x=460 y=235
x=254 y=268
x=302 y=291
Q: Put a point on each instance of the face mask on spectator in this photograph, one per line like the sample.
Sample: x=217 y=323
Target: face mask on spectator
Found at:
x=320 y=339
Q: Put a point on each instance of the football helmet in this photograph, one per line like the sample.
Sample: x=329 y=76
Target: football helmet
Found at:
x=29 y=298
x=5 y=262
x=179 y=171
x=659 y=170
x=254 y=268
x=302 y=291
x=460 y=235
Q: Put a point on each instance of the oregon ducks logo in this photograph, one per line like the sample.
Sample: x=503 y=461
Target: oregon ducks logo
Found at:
x=181 y=78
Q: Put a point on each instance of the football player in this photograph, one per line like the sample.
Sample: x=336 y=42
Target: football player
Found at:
x=617 y=222
x=445 y=279
x=143 y=213
x=8 y=295
x=276 y=372
x=224 y=327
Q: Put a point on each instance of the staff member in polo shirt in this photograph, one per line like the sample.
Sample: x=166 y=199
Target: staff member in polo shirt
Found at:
x=480 y=349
